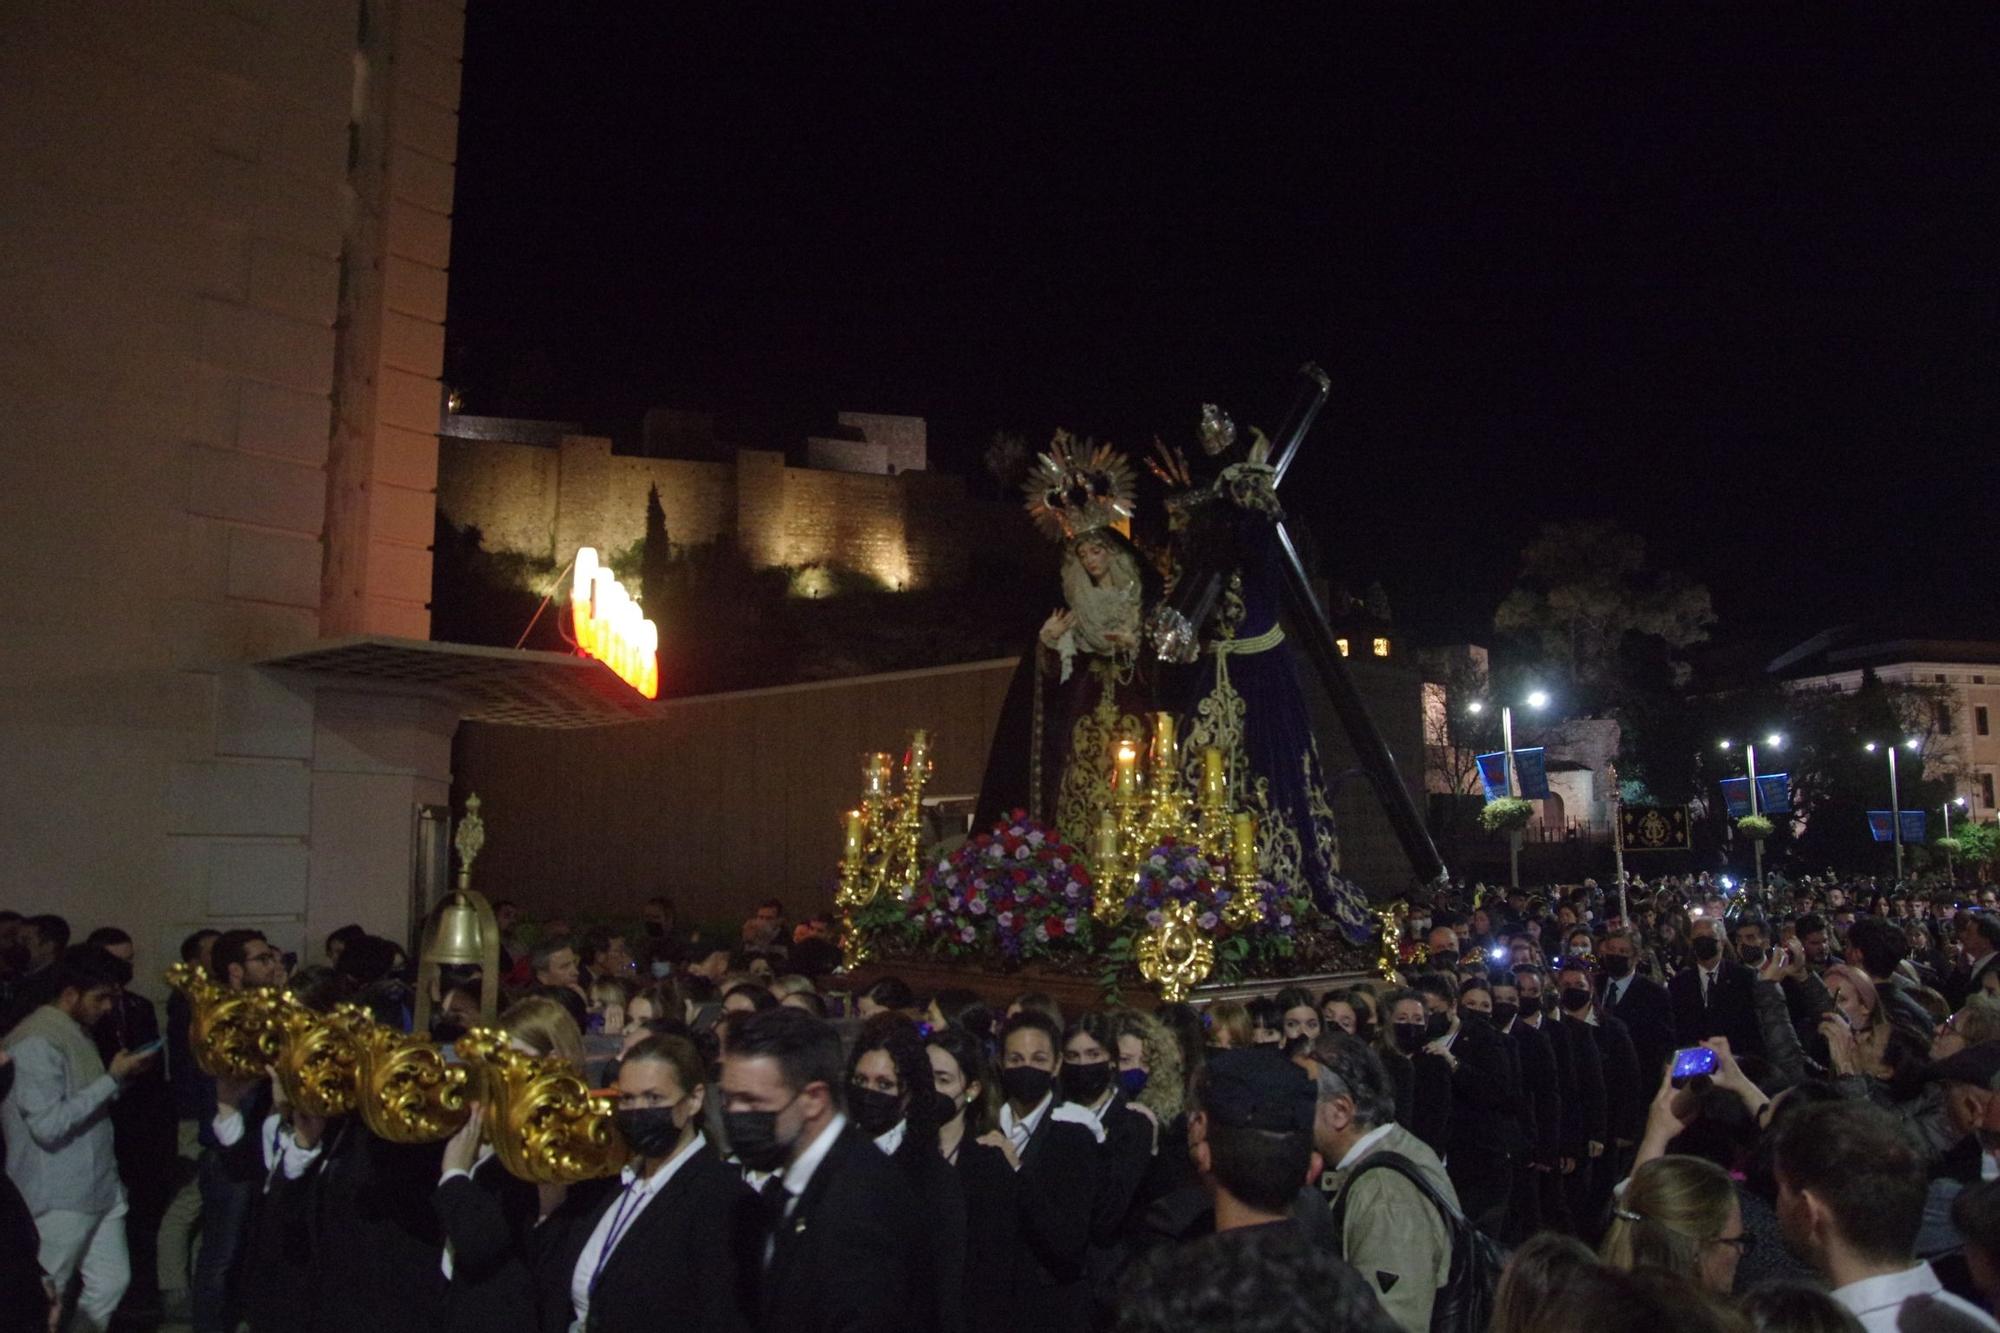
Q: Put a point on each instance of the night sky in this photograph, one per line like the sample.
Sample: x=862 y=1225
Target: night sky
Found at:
x=1727 y=281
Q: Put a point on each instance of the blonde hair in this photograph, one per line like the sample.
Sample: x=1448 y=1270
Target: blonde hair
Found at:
x=792 y=984
x=1166 y=1086
x=611 y=990
x=545 y=1027
x=1978 y=1020
x=1672 y=1208
x=1230 y=1018
x=1538 y=1270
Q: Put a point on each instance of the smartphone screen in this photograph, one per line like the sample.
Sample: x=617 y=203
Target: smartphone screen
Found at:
x=1693 y=1062
x=151 y=1046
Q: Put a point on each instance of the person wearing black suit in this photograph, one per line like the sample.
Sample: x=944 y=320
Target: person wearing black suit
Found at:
x=891 y=1096
x=1580 y=1081
x=1089 y=1066
x=1640 y=1003
x=1713 y=998
x=1625 y=1097
x=1485 y=1099
x=842 y=1244
x=668 y=1245
x=1978 y=935
x=1054 y=1148
x=488 y=1216
x=1541 y=1092
x=988 y=1182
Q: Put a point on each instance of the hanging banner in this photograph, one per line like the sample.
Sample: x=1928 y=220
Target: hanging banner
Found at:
x=1913 y=826
x=1736 y=796
x=1774 y=793
x=1653 y=828
x=1531 y=771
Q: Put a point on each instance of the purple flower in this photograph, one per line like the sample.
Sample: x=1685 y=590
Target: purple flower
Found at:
x=1023 y=852
x=977 y=907
x=1006 y=920
x=1206 y=921
x=1285 y=920
x=1154 y=918
x=1069 y=925
x=1072 y=892
x=1176 y=882
x=967 y=935
x=1036 y=838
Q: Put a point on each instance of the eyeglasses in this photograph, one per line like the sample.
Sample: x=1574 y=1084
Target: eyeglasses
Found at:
x=1744 y=1244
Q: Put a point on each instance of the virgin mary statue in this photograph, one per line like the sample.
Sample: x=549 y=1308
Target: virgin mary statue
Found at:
x=1078 y=690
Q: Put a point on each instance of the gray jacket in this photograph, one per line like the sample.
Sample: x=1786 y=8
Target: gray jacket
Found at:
x=1392 y=1236
x=58 y=1117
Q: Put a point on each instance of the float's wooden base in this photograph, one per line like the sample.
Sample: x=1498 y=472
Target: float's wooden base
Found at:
x=1075 y=992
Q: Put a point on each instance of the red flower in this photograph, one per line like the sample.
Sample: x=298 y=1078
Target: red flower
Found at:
x=1055 y=927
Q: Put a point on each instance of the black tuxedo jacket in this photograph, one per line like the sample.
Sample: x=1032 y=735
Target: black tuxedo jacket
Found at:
x=850 y=1258
x=1730 y=1011
x=489 y=1221
x=1057 y=1188
x=681 y=1261
x=1648 y=1014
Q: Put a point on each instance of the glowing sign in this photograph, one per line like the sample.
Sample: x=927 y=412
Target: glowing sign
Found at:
x=611 y=628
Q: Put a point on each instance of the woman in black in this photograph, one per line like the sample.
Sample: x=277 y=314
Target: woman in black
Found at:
x=966 y=1089
x=891 y=1097
x=664 y=1245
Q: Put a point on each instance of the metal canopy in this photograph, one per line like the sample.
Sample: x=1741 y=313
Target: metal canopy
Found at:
x=504 y=686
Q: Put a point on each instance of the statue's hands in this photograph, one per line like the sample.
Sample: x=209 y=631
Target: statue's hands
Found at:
x=1057 y=625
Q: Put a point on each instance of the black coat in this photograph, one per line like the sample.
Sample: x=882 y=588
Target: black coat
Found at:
x=1580 y=1071
x=1730 y=1011
x=942 y=1198
x=1648 y=1014
x=680 y=1262
x=1625 y=1095
x=992 y=1196
x=489 y=1221
x=1486 y=1095
x=23 y=1307
x=1057 y=1191
x=850 y=1257
x=1430 y=1101
x=376 y=1243
x=1542 y=1087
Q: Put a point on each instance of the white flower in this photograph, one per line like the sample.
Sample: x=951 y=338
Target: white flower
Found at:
x=1206 y=920
x=1023 y=852
x=907 y=892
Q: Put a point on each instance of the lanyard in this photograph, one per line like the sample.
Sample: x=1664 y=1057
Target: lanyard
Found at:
x=622 y=1218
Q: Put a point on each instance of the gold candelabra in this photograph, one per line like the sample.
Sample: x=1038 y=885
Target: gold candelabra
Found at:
x=1150 y=807
x=882 y=848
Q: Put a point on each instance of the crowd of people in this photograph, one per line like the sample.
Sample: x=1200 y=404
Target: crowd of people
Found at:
x=1732 y=1109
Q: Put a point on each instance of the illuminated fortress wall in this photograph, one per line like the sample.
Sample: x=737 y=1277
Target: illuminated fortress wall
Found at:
x=907 y=529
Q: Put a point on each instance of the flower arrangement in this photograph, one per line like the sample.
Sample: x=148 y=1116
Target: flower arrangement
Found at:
x=1755 y=827
x=1017 y=890
x=1507 y=814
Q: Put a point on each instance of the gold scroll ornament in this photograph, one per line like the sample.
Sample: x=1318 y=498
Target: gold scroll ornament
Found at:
x=234 y=1034
x=1175 y=956
x=408 y=1093
x=544 y=1124
x=319 y=1057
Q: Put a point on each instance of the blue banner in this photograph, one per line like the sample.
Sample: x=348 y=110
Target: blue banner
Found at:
x=1774 y=793
x=1531 y=772
x=1913 y=825
x=1736 y=796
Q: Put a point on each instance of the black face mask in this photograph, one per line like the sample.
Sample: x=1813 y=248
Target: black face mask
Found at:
x=1751 y=955
x=1435 y=1026
x=1505 y=1012
x=1026 y=1085
x=1409 y=1037
x=1085 y=1083
x=753 y=1137
x=1617 y=966
x=1707 y=949
x=649 y=1129
x=1444 y=960
x=1576 y=998
x=877 y=1112
x=1473 y=1016
x=656 y=928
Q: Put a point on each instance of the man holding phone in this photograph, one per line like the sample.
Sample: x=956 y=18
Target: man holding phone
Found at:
x=57 y=1122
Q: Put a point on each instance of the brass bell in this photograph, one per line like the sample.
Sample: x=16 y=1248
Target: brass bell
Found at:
x=462 y=931
x=457 y=935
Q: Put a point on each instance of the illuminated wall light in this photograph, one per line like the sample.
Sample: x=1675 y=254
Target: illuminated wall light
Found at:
x=610 y=626
x=1381 y=647
x=1342 y=645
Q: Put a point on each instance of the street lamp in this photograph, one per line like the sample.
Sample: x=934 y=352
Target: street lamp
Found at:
x=1536 y=699
x=1958 y=801
x=1772 y=741
x=1895 y=800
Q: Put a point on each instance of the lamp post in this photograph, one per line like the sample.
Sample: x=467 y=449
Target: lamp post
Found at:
x=1895 y=800
x=1773 y=741
x=1958 y=801
x=1537 y=699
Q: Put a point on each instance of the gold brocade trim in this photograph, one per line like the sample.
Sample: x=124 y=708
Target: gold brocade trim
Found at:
x=1085 y=794
x=1326 y=836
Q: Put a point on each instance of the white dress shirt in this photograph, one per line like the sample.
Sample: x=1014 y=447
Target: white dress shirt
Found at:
x=1878 y=1301
x=893 y=1139
x=281 y=1146
x=1364 y=1145
x=614 y=1225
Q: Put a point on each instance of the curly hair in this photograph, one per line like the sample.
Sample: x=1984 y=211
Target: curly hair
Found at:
x=898 y=1037
x=1166 y=1083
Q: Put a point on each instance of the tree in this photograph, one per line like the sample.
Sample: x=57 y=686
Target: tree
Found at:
x=656 y=571
x=1584 y=592
x=1836 y=781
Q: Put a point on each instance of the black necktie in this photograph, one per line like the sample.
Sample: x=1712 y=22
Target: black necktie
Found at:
x=774 y=1196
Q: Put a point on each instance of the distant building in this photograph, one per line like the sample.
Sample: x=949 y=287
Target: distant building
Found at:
x=1968 y=670
x=865 y=501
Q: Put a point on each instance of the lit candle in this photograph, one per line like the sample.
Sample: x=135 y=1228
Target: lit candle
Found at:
x=1246 y=847
x=1107 y=841
x=1214 y=781
x=1164 y=762
x=1128 y=773
x=919 y=756
x=875 y=774
x=853 y=836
